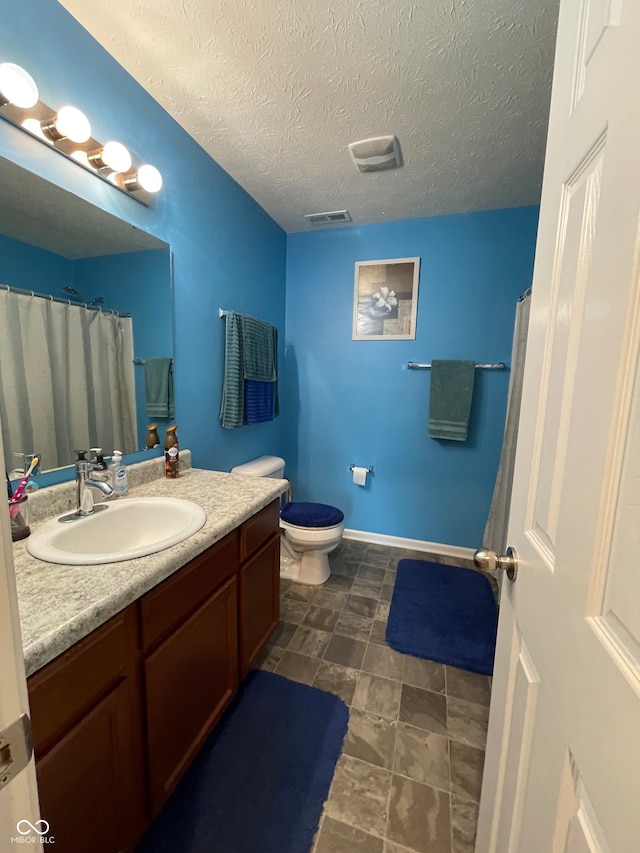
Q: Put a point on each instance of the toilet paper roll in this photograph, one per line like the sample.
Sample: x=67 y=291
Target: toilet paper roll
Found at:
x=359 y=476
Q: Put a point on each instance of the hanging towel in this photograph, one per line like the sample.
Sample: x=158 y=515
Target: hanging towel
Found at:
x=251 y=362
x=450 y=400
x=232 y=406
x=258 y=401
x=158 y=387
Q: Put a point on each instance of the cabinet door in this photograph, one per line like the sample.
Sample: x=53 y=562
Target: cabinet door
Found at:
x=259 y=602
x=89 y=783
x=189 y=679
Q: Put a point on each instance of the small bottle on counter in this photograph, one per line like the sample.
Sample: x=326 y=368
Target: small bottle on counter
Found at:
x=171 y=454
x=120 y=480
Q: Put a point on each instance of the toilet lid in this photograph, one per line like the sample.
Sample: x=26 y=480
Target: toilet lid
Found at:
x=303 y=514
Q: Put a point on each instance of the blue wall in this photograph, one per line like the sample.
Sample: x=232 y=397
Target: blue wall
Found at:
x=355 y=402
x=22 y=265
x=227 y=251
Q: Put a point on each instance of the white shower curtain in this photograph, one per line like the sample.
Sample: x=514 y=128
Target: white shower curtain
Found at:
x=66 y=379
x=495 y=533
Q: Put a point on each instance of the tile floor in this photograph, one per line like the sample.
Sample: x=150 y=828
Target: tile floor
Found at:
x=409 y=777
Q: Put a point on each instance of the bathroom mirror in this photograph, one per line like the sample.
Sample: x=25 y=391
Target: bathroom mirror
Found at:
x=62 y=255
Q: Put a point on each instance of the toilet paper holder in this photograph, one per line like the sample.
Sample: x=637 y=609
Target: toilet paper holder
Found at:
x=369 y=469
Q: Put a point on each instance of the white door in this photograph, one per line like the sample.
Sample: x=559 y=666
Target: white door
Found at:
x=19 y=815
x=562 y=770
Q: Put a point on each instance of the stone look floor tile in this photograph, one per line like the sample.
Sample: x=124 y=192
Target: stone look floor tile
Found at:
x=293 y=611
x=423 y=756
x=360 y=605
x=300 y=592
x=367 y=588
x=419 y=817
x=331 y=599
x=359 y=795
x=271 y=659
x=424 y=673
x=390 y=847
x=467 y=722
x=380 y=696
x=464 y=820
x=309 y=641
x=282 y=635
x=383 y=611
x=383 y=661
x=298 y=667
x=336 y=837
x=337 y=679
x=386 y=594
x=350 y=625
x=370 y=739
x=467 y=763
x=338 y=583
x=372 y=573
x=345 y=569
x=378 y=633
x=423 y=709
x=468 y=686
x=321 y=617
x=345 y=651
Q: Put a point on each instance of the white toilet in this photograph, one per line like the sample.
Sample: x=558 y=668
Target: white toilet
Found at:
x=310 y=531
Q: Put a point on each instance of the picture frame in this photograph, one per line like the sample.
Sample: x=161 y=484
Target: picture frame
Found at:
x=385 y=299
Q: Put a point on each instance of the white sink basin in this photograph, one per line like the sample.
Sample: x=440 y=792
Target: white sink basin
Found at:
x=127 y=528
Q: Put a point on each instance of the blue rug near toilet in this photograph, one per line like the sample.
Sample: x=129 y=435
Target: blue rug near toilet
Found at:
x=444 y=614
x=260 y=781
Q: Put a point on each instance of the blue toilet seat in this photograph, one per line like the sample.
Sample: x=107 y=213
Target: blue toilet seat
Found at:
x=301 y=514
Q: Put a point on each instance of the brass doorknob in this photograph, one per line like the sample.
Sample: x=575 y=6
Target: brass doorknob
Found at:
x=488 y=561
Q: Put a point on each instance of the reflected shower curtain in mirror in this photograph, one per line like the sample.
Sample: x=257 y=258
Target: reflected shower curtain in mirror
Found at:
x=66 y=379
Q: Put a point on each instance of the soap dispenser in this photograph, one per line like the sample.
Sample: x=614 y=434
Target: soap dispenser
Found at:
x=119 y=473
x=100 y=470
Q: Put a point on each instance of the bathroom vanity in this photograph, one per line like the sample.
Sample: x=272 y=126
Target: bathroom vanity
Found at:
x=119 y=714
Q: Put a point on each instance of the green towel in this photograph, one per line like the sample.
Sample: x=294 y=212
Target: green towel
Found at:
x=158 y=387
x=450 y=400
x=232 y=406
x=250 y=353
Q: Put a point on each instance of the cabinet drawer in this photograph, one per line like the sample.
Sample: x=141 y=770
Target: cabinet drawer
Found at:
x=170 y=603
x=258 y=529
x=66 y=688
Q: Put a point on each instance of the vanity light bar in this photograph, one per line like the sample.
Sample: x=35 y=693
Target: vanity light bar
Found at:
x=68 y=131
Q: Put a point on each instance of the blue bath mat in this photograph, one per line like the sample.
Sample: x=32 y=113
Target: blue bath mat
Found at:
x=444 y=614
x=260 y=781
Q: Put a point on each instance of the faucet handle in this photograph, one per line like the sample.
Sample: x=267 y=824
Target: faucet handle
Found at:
x=81 y=454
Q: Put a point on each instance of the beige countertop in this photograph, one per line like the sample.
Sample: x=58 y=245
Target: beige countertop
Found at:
x=61 y=604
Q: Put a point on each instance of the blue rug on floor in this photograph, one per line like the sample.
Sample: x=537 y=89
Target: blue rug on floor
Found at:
x=260 y=781
x=444 y=614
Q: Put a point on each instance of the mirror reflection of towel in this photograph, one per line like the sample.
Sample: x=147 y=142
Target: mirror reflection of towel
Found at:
x=158 y=387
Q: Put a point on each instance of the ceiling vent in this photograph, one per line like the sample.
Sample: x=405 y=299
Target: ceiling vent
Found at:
x=333 y=217
x=376 y=154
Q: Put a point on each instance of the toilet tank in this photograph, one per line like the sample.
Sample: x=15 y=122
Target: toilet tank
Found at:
x=263 y=466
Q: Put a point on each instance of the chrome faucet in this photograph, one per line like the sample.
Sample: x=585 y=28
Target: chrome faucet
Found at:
x=84 y=484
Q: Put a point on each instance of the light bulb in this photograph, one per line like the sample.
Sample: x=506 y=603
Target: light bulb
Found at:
x=149 y=178
x=113 y=156
x=69 y=123
x=17 y=87
x=81 y=157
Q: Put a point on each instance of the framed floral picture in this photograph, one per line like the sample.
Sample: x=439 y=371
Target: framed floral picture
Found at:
x=385 y=301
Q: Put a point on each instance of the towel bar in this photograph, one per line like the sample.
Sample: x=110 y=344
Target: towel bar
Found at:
x=499 y=365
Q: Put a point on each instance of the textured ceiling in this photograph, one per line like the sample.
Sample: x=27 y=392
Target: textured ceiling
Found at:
x=275 y=90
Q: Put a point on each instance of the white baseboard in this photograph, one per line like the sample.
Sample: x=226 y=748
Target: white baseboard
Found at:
x=410 y=544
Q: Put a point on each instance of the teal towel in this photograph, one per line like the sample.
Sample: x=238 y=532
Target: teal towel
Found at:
x=250 y=354
x=158 y=387
x=450 y=400
x=232 y=406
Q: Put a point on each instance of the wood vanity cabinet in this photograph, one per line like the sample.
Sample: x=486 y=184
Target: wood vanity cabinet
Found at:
x=118 y=718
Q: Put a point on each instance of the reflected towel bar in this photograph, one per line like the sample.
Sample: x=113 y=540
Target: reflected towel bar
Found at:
x=499 y=365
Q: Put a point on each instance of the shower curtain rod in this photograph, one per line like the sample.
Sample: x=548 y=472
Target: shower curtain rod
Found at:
x=524 y=295
x=499 y=365
x=11 y=289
